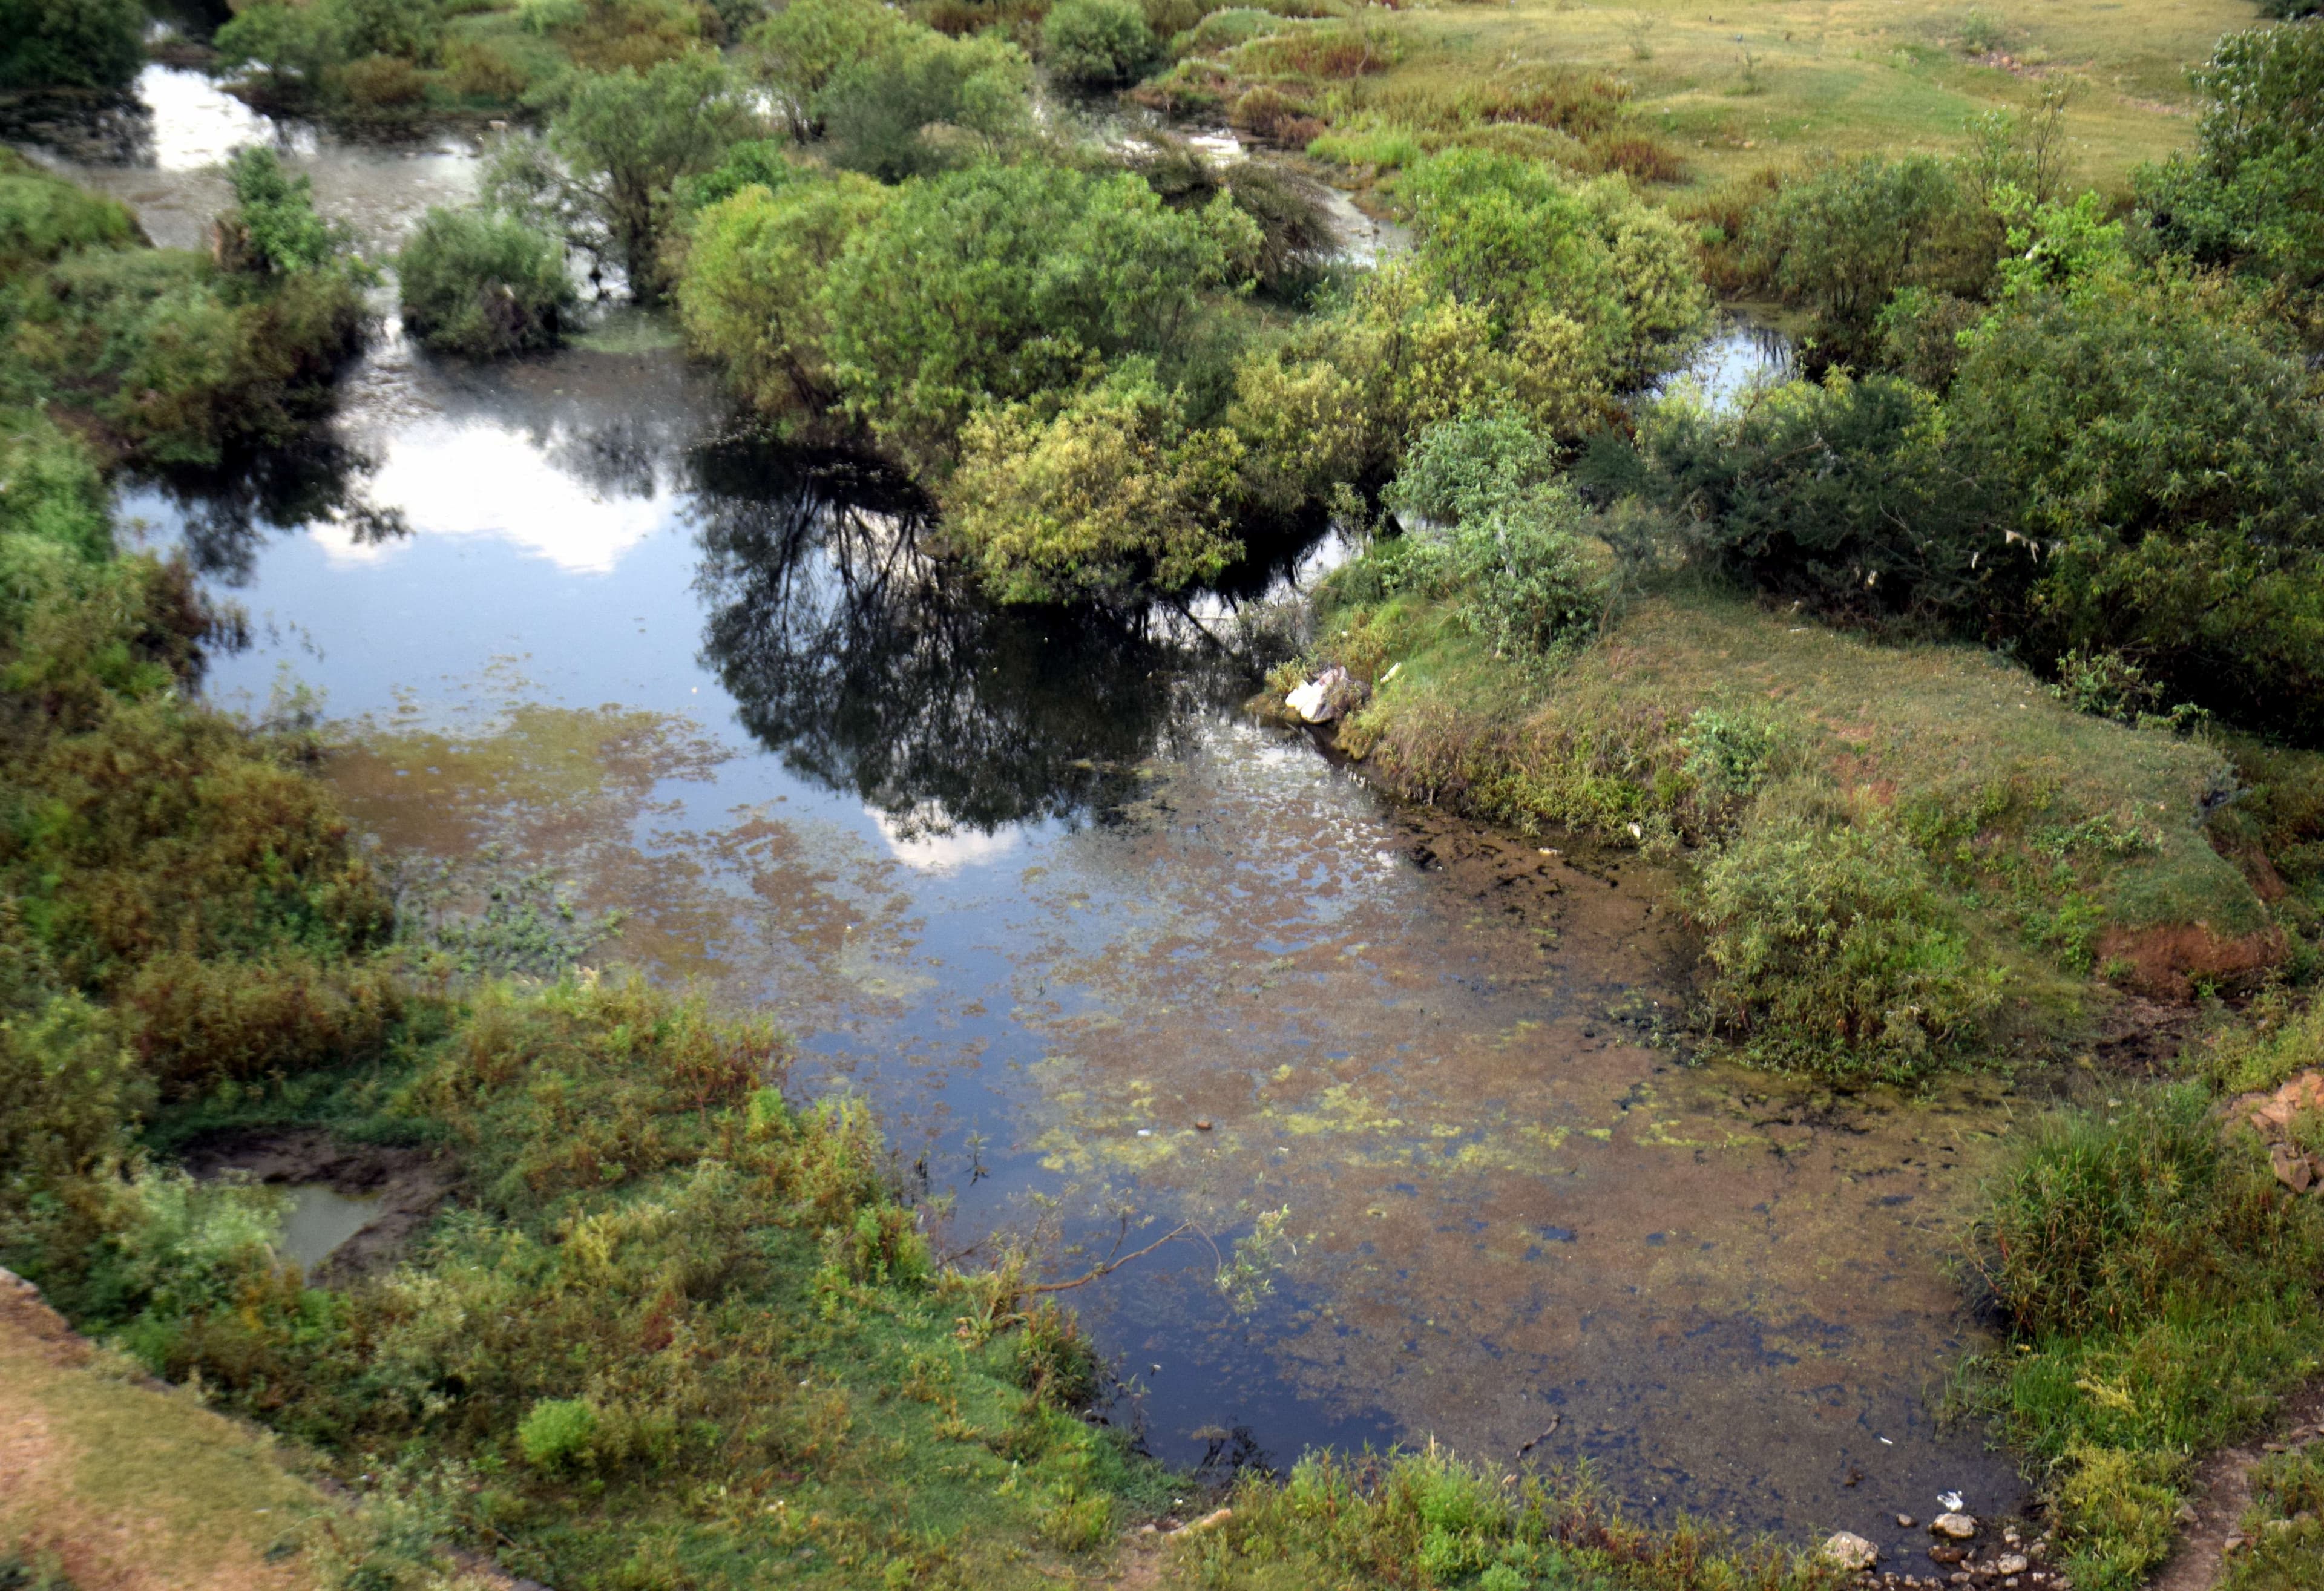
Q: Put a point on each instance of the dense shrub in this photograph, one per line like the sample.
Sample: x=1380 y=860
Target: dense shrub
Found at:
x=1097 y=44
x=924 y=103
x=753 y=292
x=1001 y=282
x=1498 y=529
x=603 y=179
x=802 y=47
x=483 y=285
x=70 y=43
x=1850 y=495
x=2252 y=192
x=1841 y=240
x=1536 y=254
x=43 y=217
x=2172 y=466
x=1831 y=948
x=1113 y=494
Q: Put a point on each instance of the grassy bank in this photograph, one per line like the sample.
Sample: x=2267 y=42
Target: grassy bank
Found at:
x=2040 y=848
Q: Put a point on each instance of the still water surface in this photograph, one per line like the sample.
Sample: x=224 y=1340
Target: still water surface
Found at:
x=1037 y=889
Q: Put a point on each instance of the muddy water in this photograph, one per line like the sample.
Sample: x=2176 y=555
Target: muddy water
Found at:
x=1108 y=956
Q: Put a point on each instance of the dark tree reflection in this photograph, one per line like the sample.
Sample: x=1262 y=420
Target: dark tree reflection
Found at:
x=229 y=513
x=872 y=668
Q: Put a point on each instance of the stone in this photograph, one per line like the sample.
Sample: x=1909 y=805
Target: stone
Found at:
x=2291 y=1167
x=1961 y=1527
x=1943 y=1553
x=1850 y=1550
x=1904 y=1521
x=1202 y=1126
x=2012 y=1563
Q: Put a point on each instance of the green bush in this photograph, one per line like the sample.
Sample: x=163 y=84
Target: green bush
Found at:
x=274 y=223
x=1850 y=496
x=2161 y=1292
x=998 y=283
x=2170 y=465
x=559 y=1433
x=483 y=285
x=878 y=112
x=70 y=43
x=43 y=217
x=2251 y=194
x=753 y=292
x=606 y=175
x=1485 y=490
x=1097 y=44
x=1832 y=949
x=802 y=47
x=1841 y=240
x=1113 y=494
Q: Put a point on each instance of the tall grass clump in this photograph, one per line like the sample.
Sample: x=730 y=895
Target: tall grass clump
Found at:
x=2160 y=1290
x=1428 y=1519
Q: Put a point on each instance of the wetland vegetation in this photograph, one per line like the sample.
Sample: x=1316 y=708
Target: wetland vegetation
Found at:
x=1963 y=680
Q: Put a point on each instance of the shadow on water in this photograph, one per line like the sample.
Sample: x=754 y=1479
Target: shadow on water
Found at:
x=875 y=669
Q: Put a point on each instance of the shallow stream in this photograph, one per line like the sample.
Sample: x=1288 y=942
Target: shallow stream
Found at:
x=1092 y=942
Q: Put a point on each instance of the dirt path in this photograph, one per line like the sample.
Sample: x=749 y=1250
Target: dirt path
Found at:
x=2223 y=1491
x=131 y=1487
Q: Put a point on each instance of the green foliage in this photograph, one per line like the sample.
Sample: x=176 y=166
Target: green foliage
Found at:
x=1112 y=494
x=2162 y=1293
x=800 y=49
x=1513 y=553
x=1097 y=44
x=273 y=219
x=1832 y=949
x=2171 y=465
x=2284 y=1526
x=1428 y=1519
x=753 y=295
x=2251 y=194
x=922 y=103
x=70 y=43
x=1001 y=282
x=483 y=285
x=1841 y=240
x=621 y=142
x=1849 y=495
x=43 y=217
x=50 y=491
x=559 y=1433
x=1508 y=237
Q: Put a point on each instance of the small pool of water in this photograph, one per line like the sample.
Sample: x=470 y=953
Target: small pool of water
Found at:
x=321 y=1220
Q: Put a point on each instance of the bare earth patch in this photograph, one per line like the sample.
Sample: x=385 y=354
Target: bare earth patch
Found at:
x=2222 y=1492
x=132 y=1487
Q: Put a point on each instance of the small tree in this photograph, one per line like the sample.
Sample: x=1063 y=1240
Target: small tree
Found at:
x=604 y=175
x=1842 y=240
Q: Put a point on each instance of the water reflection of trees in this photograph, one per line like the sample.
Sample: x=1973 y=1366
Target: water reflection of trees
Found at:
x=871 y=668
x=228 y=514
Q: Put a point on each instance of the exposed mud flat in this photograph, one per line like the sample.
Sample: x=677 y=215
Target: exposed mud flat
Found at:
x=394 y=1191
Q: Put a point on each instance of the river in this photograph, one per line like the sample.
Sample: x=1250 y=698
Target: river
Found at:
x=1106 y=954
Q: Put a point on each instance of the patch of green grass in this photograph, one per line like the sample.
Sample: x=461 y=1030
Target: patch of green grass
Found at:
x=2284 y=1527
x=2161 y=1292
x=2042 y=839
x=1427 y=1519
x=1848 y=77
